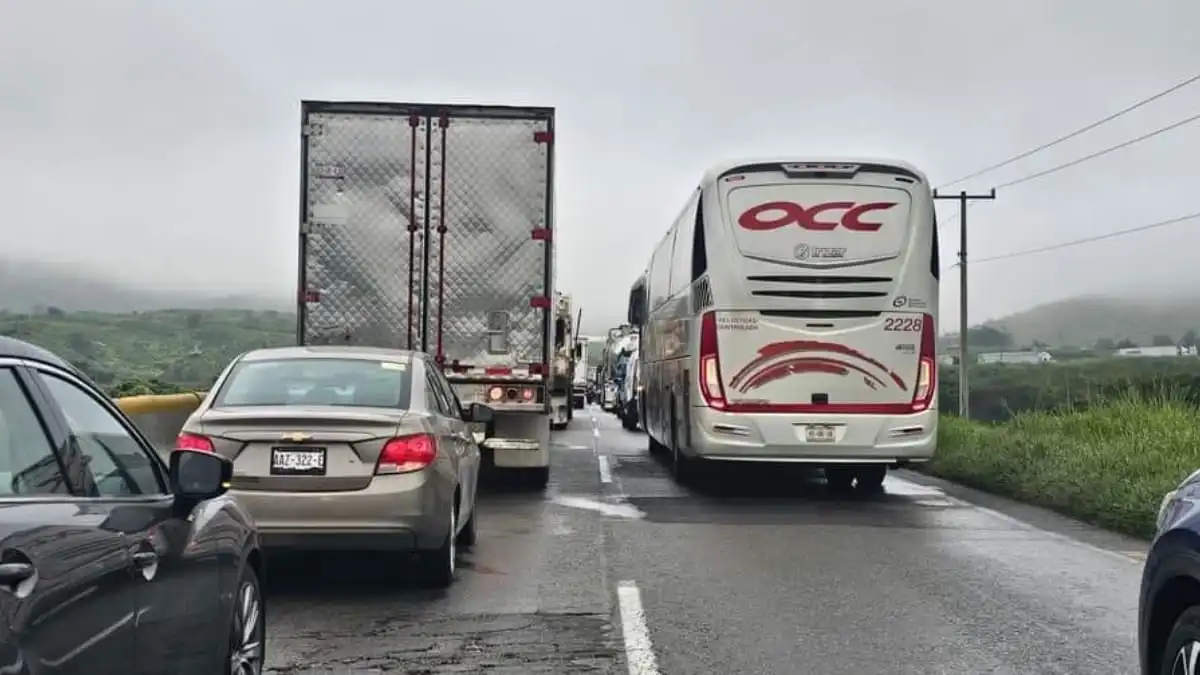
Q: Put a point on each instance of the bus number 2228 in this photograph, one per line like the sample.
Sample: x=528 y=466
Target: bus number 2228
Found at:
x=903 y=324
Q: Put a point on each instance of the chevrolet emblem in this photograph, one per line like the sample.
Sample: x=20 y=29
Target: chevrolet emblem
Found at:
x=296 y=437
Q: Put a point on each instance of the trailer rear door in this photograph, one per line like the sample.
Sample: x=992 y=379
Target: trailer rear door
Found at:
x=428 y=227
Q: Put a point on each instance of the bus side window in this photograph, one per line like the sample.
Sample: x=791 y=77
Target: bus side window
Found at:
x=699 y=250
x=637 y=305
x=935 y=266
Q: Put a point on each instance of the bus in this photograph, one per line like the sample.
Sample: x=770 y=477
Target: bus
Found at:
x=789 y=315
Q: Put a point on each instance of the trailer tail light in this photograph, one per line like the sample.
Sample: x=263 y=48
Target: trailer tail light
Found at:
x=406 y=454
x=527 y=394
x=710 y=363
x=926 y=386
x=187 y=441
x=496 y=394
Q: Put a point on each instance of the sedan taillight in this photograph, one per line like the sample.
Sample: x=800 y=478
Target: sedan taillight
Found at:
x=187 y=441
x=406 y=454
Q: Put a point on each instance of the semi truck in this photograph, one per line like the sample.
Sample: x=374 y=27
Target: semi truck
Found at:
x=620 y=342
x=562 y=372
x=581 y=378
x=430 y=227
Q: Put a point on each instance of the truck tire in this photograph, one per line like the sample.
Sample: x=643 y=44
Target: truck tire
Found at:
x=538 y=477
x=629 y=421
x=870 y=478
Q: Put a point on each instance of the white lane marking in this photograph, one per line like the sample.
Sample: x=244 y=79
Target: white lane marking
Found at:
x=605 y=469
x=615 y=510
x=900 y=486
x=639 y=653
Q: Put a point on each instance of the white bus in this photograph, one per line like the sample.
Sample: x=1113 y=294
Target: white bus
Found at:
x=790 y=315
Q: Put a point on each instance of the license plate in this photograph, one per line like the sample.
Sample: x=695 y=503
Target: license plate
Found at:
x=298 y=461
x=820 y=433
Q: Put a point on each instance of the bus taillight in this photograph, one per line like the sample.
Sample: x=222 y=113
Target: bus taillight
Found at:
x=927 y=373
x=710 y=363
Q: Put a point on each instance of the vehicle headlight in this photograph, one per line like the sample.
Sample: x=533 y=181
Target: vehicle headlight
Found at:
x=1164 y=507
x=1171 y=498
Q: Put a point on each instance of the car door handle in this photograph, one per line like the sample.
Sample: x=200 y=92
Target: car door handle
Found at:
x=12 y=574
x=144 y=559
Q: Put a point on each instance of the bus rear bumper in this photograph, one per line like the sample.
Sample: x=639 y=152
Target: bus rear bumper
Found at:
x=792 y=438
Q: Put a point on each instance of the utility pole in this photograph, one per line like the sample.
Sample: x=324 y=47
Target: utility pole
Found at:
x=964 y=409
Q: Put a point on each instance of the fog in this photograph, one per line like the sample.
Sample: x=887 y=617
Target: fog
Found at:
x=157 y=143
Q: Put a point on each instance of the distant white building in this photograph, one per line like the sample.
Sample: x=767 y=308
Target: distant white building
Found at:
x=1016 y=357
x=1168 y=350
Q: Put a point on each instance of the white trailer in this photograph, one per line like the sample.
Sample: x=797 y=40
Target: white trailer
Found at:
x=1015 y=357
x=429 y=227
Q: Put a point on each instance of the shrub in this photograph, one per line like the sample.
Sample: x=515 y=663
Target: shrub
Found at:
x=1108 y=463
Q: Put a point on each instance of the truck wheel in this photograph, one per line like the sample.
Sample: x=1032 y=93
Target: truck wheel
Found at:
x=839 y=479
x=538 y=477
x=870 y=478
x=629 y=422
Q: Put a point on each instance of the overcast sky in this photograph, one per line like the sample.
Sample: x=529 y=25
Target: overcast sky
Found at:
x=157 y=141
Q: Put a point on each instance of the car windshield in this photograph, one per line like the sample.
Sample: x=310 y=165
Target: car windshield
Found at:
x=308 y=381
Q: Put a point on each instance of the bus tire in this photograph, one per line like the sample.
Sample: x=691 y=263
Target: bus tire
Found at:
x=682 y=468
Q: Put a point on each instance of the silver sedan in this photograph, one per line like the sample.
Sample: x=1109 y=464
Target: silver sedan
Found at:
x=347 y=448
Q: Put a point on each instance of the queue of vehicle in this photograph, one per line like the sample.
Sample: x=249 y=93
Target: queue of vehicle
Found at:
x=788 y=315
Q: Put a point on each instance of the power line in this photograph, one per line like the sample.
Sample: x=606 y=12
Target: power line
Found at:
x=1088 y=240
x=1085 y=158
x=1077 y=132
x=1099 y=153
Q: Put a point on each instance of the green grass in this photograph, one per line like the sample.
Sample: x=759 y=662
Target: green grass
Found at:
x=1109 y=464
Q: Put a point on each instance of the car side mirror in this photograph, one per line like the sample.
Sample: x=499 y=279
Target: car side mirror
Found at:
x=479 y=412
x=197 y=475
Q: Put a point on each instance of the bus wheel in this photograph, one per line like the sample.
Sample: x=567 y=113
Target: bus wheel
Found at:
x=870 y=478
x=682 y=468
x=656 y=448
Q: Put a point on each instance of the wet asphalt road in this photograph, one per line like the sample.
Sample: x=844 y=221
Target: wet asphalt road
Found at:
x=754 y=572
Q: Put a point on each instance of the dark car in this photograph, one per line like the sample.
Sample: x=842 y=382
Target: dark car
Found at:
x=111 y=561
x=1169 y=605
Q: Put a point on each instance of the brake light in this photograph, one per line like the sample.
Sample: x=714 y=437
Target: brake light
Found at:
x=406 y=454
x=927 y=370
x=186 y=441
x=710 y=363
x=496 y=394
x=527 y=394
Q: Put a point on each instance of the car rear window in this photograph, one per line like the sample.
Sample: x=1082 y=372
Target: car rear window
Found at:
x=303 y=382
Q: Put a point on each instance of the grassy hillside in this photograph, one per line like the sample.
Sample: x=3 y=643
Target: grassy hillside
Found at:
x=151 y=352
x=1083 y=321
x=30 y=286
